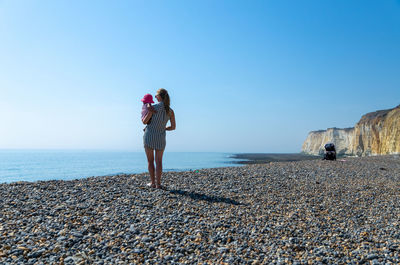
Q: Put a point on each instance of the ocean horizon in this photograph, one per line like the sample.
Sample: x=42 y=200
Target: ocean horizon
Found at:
x=41 y=165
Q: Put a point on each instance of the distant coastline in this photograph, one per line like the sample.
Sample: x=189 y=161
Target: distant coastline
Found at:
x=262 y=158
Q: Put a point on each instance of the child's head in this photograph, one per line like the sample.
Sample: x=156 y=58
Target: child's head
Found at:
x=148 y=98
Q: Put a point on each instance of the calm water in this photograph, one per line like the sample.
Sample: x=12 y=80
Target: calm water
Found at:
x=33 y=165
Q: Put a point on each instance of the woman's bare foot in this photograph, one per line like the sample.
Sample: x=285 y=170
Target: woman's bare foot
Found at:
x=151 y=185
x=160 y=187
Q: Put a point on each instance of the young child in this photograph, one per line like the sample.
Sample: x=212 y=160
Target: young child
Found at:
x=147 y=100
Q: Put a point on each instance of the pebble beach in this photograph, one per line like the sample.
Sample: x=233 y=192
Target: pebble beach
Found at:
x=303 y=212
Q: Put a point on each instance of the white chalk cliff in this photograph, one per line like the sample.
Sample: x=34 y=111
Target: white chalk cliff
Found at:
x=377 y=133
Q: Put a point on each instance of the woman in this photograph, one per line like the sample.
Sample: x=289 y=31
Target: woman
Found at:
x=154 y=135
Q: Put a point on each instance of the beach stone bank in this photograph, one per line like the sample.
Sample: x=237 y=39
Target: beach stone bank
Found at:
x=306 y=212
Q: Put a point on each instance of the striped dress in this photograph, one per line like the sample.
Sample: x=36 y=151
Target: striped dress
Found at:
x=154 y=135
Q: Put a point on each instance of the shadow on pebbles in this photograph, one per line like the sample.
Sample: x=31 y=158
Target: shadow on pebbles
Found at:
x=306 y=212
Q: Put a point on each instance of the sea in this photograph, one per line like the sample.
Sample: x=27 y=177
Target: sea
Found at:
x=36 y=165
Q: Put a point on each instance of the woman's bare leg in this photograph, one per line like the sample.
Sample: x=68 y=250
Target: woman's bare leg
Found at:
x=150 y=162
x=159 y=156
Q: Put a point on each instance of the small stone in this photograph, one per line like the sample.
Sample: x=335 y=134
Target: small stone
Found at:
x=223 y=249
x=69 y=259
x=137 y=250
x=393 y=247
x=168 y=257
x=23 y=248
x=61 y=238
x=36 y=254
x=375 y=262
x=77 y=234
x=372 y=256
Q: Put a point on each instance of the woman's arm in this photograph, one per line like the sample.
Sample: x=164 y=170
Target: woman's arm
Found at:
x=146 y=118
x=172 y=120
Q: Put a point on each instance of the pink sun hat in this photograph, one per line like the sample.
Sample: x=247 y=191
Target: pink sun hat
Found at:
x=148 y=98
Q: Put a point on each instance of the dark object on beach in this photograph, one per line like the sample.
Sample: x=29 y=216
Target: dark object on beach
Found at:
x=330 y=147
x=330 y=152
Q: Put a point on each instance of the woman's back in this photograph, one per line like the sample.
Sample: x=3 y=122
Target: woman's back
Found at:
x=159 y=119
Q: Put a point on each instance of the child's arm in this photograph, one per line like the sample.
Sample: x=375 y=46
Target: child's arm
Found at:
x=172 y=120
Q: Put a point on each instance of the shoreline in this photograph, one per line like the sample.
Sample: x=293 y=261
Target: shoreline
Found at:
x=262 y=158
x=314 y=211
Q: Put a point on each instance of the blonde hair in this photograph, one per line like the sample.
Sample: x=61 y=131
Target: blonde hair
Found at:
x=163 y=93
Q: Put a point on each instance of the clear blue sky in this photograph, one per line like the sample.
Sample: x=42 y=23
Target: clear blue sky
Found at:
x=243 y=76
